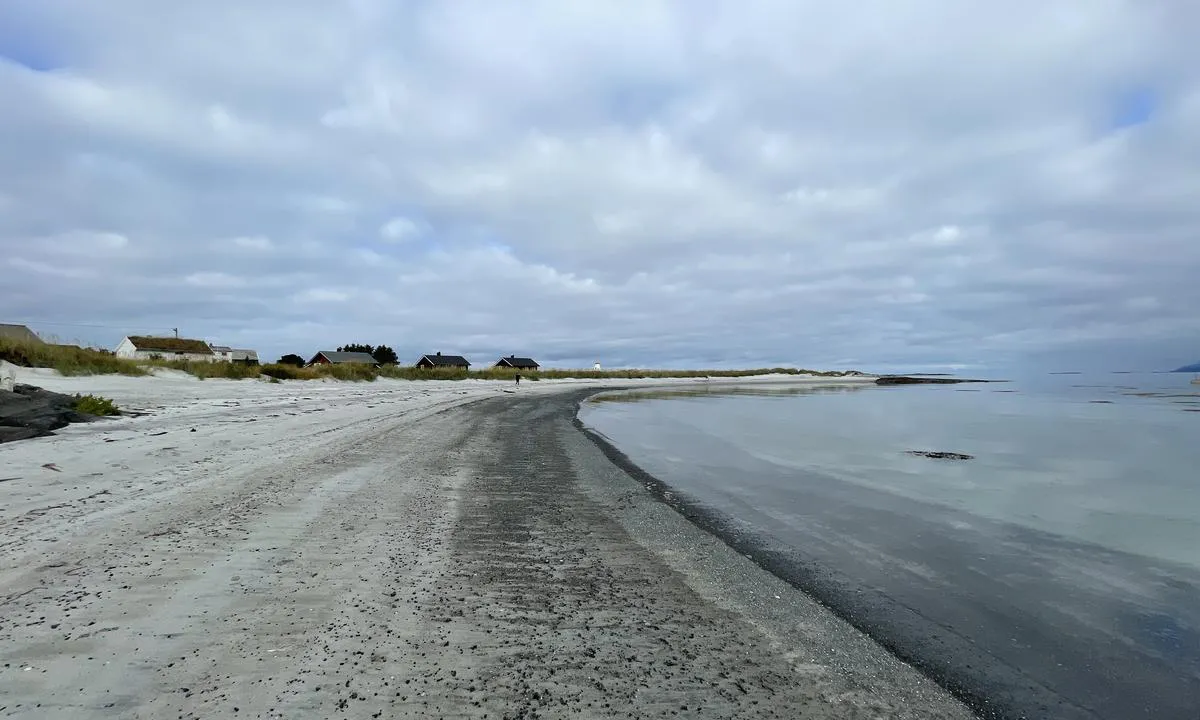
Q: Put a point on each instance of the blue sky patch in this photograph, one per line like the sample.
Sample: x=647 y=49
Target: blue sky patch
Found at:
x=19 y=44
x=1135 y=107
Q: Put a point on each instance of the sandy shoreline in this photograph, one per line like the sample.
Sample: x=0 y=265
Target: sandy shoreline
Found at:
x=389 y=549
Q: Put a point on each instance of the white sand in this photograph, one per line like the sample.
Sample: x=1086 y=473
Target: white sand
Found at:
x=188 y=432
x=132 y=548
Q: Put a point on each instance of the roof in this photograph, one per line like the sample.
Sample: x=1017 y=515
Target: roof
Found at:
x=170 y=344
x=440 y=360
x=347 y=357
x=245 y=355
x=19 y=333
x=221 y=348
x=517 y=362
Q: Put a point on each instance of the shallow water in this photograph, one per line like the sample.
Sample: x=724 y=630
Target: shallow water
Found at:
x=1061 y=563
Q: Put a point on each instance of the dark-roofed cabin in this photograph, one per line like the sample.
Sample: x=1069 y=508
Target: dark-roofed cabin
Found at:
x=19 y=333
x=245 y=357
x=228 y=354
x=329 y=357
x=438 y=360
x=517 y=363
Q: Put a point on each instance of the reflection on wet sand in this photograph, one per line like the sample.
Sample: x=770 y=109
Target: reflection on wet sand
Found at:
x=700 y=391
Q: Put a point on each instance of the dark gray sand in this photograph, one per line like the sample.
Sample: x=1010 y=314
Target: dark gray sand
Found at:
x=481 y=561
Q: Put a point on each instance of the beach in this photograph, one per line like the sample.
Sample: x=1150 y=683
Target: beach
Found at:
x=390 y=549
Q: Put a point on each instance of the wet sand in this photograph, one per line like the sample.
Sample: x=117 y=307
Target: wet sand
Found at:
x=437 y=556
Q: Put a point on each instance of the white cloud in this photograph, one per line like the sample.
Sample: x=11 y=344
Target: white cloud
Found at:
x=214 y=280
x=947 y=235
x=253 y=242
x=41 y=268
x=320 y=295
x=325 y=204
x=400 y=229
x=907 y=180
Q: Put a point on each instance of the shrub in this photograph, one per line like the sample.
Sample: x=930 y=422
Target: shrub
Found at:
x=291 y=359
x=282 y=371
x=384 y=355
x=95 y=405
x=357 y=347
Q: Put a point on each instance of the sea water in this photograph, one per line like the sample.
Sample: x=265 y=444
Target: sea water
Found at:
x=1061 y=562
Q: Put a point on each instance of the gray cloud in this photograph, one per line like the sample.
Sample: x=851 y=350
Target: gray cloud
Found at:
x=913 y=182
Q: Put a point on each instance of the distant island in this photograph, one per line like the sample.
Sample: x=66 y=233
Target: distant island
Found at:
x=1194 y=367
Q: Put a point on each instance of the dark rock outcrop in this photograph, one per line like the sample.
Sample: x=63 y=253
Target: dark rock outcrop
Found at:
x=11 y=434
x=923 y=380
x=938 y=455
x=28 y=412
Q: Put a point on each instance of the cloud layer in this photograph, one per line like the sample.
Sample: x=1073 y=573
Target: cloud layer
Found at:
x=703 y=183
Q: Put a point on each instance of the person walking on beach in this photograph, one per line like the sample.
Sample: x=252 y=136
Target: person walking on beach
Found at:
x=518 y=379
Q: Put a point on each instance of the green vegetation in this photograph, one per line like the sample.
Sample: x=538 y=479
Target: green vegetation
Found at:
x=350 y=371
x=407 y=372
x=95 y=405
x=66 y=359
x=283 y=371
x=207 y=369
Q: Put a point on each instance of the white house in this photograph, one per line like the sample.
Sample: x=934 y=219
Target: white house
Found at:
x=139 y=347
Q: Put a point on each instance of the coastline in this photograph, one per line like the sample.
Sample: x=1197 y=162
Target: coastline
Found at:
x=822 y=584
x=395 y=548
x=1015 y=622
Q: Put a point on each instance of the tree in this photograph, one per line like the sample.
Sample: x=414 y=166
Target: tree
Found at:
x=384 y=355
x=352 y=347
x=292 y=359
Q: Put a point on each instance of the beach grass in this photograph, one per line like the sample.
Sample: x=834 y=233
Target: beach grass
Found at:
x=354 y=372
x=275 y=371
x=67 y=359
x=207 y=369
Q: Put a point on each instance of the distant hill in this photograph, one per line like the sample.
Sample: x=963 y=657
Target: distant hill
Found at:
x=1194 y=367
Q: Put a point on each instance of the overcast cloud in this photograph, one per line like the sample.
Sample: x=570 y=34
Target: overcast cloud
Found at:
x=886 y=183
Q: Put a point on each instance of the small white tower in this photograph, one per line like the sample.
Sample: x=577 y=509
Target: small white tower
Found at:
x=596 y=366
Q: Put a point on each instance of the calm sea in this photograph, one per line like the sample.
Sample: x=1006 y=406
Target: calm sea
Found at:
x=1056 y=574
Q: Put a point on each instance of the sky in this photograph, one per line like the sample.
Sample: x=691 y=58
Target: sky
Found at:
x=919 y=184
